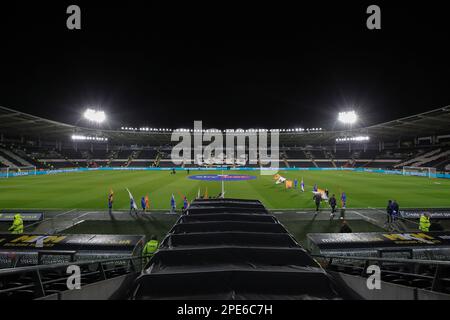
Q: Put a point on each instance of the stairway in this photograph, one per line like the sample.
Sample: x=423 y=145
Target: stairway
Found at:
x=284 y=158
x=309 y=156
x=7 y=163
x=329 y=155
x=15 y=157
x=232 y=249
x=417 y=158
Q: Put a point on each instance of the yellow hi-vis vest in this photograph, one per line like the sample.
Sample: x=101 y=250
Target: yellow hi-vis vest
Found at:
x=150 y=248
x=17 y=226
x=424 y=223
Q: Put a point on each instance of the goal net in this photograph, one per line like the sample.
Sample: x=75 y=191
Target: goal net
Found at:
x=17 y=171
x=419 y=171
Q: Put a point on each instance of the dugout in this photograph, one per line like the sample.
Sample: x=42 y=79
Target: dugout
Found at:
x=32 y=249
x=420 y=245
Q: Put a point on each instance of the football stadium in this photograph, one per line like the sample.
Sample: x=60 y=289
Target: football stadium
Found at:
x=62 y=186
x=189 y=159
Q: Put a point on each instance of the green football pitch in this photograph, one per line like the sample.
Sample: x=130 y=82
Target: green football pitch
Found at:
x=89 y=190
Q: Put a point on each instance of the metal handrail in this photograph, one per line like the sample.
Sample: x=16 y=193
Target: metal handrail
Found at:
x=397 y=260
x=38 y=284
x=437 y=279
x=9 y=271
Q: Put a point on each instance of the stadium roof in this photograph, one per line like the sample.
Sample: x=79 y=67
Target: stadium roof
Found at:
x=435 y=122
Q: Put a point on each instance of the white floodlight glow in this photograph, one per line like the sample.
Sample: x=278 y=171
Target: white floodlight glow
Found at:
x=77 y=137
x=353 y=139
x=95 y=115
x=348 y=117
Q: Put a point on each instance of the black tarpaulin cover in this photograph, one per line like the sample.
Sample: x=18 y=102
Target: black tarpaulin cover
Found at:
x=232 y=253
x=244 y=257
x=220 y=226
x=224 y=209
x=208 y=239
x=237 y=284
x=227 y=217
x=229 y=202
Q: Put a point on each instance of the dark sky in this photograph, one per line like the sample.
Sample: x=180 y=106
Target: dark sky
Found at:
x=269 y=65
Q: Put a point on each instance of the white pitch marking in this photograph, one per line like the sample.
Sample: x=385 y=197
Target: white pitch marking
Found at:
x=84 y=214
x=63 y=213
x=377 y=210
x=364 y=216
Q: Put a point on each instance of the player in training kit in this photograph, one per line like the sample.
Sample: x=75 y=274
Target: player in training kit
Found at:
x=110 y=202
x=343 y=199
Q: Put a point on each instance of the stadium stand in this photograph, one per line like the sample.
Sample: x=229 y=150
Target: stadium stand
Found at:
x=419 y=140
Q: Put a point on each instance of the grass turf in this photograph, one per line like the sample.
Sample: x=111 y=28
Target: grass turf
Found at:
x=89 y=190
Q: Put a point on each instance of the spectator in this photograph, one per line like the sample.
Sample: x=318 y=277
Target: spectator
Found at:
x=110 y=202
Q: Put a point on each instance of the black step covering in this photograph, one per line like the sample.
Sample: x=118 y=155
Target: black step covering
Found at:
x=208 y=239
x=224 y=209
x=232 y=249
x=237 y=285
x=221 y=226
x=227 y=217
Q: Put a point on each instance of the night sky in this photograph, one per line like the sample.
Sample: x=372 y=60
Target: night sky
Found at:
x=266 y=65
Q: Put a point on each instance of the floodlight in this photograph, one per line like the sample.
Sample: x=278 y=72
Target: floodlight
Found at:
x=95 y=115
x=348 y=117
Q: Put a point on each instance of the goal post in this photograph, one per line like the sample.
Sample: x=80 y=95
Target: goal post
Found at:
x=9 y=172
x=419 y=171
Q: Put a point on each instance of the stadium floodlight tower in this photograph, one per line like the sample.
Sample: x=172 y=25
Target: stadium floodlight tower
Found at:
x=94 y=116
x=348 y=117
